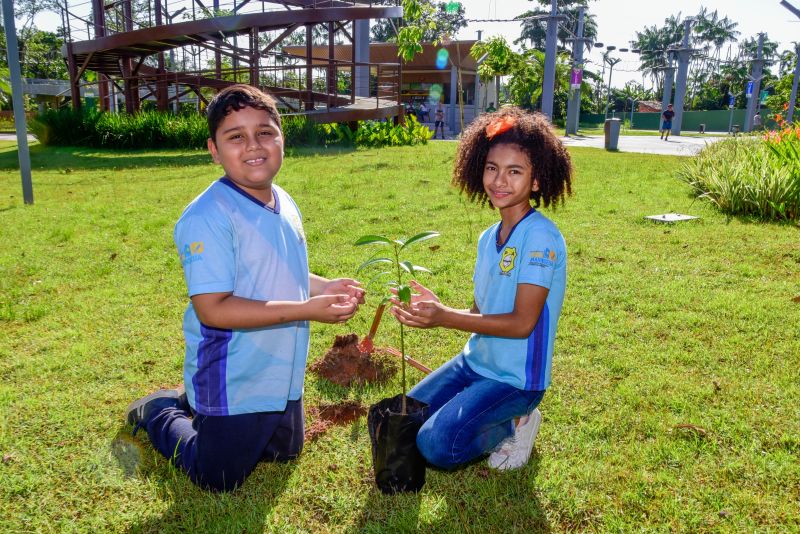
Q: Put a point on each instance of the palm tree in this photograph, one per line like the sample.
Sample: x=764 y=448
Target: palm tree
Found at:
x=534 y=31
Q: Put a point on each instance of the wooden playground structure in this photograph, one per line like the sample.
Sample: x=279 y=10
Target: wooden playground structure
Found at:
x=171 y=53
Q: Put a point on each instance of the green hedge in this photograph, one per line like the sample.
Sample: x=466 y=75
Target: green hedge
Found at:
x=154 y=129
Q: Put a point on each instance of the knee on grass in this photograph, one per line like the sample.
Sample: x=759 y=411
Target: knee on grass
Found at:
x=437 y=451
x=220 y=481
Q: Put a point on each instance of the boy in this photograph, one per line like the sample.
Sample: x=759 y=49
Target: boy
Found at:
x=244 y=257
x=666 y=122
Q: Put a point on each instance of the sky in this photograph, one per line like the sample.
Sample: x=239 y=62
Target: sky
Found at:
x=618 y=21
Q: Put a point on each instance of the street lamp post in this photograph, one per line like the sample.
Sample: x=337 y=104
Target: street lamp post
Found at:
x=611 y=62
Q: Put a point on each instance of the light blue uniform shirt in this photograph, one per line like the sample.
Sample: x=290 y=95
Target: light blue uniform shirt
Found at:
x=229 y=241
x=534 y=253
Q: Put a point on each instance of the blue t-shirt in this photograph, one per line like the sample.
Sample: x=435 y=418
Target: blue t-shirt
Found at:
x=229 y=241
x=534 y=253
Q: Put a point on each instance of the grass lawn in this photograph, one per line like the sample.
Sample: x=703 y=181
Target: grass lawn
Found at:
x=674 y=404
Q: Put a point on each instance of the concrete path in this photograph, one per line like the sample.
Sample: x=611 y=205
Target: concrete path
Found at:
x=13 y=137
x=647 y=144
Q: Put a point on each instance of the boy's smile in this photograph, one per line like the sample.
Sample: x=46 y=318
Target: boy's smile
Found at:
x=249 y=146
x=508 y=180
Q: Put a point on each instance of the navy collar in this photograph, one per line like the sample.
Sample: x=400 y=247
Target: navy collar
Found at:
x=497 y=242
x=230 y=183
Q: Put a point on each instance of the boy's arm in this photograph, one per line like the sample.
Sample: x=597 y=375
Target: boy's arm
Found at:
x=224 y=310
x=338 y=286
x=519 y=323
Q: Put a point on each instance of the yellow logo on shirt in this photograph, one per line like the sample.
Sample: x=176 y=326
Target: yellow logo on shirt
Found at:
x=507 y=259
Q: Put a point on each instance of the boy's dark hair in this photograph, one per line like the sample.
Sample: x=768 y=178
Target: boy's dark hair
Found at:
x=237 y=97
x=532 y=133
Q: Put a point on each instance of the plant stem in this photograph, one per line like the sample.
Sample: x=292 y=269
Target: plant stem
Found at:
x=403 y=368
x=402 y=334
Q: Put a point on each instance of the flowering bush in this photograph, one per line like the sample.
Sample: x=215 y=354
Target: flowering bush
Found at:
x=758 y=176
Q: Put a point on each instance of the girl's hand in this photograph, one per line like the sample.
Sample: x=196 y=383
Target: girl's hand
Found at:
x=331 y=308
x=345 y=286
x=421 y=314
x=421 y=294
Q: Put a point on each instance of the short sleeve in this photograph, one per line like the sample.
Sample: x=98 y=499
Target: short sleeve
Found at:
x=206 y=249
x=539 y=259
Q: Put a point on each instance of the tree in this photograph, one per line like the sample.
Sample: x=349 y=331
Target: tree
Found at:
x=446 y=18
x=525 y=85
x=534 y=31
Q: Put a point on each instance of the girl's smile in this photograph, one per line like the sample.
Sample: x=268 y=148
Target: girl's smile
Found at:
x=508 y=181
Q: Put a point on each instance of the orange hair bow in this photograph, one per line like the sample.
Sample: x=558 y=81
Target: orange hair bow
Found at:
x=501 y=125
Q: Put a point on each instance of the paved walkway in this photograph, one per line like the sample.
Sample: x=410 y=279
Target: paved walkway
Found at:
x=647 y=144
x=13 y=137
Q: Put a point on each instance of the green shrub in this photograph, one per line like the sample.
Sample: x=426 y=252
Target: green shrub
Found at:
x=747 y=176
x=376 y=134
x=155 y=129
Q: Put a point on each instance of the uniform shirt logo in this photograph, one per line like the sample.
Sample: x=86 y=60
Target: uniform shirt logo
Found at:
x=543 y=258
x=507 y=260
x=192 y=252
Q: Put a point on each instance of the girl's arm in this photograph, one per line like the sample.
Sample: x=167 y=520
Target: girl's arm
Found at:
x=224 y=310
x=519 y=323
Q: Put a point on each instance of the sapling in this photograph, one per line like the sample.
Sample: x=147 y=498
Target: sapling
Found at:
x=398 y=268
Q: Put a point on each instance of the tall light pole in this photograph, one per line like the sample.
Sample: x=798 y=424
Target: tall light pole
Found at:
x=16 y=99
x=669 y=80
x=684 y=55
x=753 y=102
x=548 y=84
x=793 y=97
x=611 y=62
x=574 y=102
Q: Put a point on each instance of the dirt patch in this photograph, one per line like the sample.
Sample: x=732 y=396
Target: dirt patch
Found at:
x=344 y=364
x=325 y=416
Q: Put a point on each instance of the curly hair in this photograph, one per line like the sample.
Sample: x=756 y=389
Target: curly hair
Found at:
x=234 y=98
x=532 y=133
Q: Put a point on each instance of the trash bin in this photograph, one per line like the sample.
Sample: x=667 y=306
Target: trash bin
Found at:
x=611 y=130
x=702 y=128
x=735 y=130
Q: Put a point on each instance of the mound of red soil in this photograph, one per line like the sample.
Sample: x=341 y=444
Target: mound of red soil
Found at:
x=344 y=364
x=326 y=415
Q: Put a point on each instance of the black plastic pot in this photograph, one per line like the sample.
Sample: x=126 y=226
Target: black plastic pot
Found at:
x=396 y=461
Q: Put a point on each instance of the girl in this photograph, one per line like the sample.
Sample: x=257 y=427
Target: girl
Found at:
x=509 y=158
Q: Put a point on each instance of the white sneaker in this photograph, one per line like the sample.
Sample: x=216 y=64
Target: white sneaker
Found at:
x=514 y=451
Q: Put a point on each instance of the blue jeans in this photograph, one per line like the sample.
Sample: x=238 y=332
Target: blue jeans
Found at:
x=219 y=452
x=468 y=414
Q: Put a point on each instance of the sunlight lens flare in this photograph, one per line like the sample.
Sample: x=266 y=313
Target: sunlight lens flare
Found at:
x=441 y=58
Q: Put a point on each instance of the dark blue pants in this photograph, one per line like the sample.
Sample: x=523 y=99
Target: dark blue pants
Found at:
x=219 y=452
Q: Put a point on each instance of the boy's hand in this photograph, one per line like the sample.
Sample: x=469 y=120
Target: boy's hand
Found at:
x=421 y=294
x=345 y=286
x=421 y=314
x=331 y=308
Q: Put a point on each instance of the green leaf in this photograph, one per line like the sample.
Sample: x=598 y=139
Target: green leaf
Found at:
x=404 y=294
x=373 y=261
x=372 y=240
x=420 y=269
x=422 y=236
x=382 y=273
x=407 y=266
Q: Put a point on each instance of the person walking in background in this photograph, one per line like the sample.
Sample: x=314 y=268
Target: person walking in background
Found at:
x=757 y=123
x=438 y=119
x=424 y=114
x=666 y=122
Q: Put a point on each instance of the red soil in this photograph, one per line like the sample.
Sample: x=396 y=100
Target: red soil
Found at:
x=344 y=364
x=327 y=415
